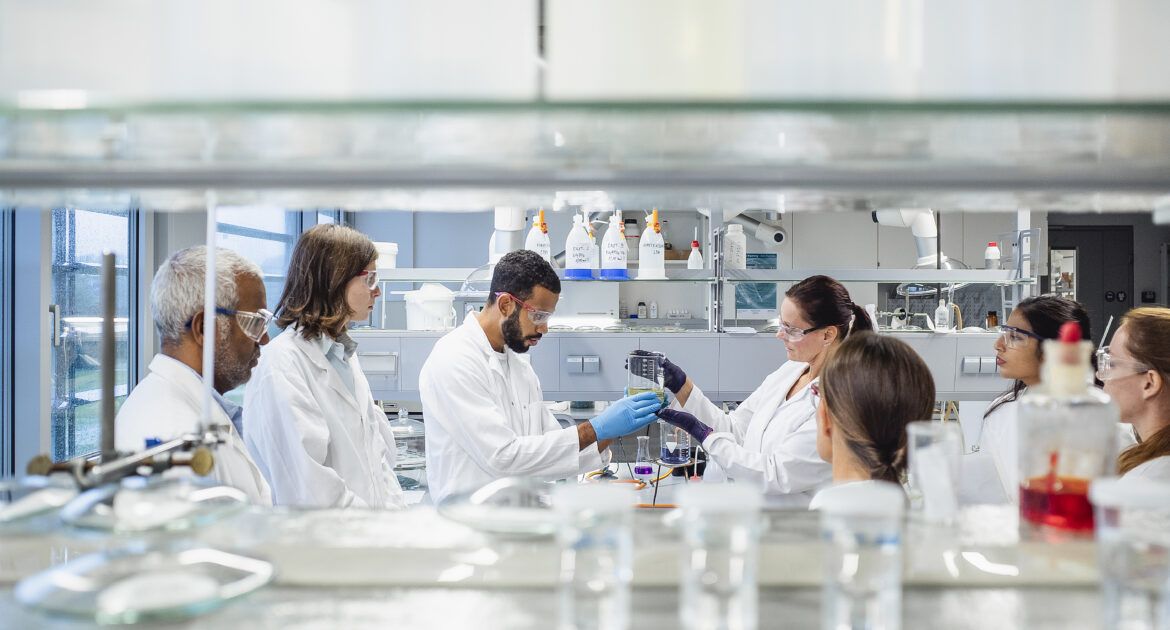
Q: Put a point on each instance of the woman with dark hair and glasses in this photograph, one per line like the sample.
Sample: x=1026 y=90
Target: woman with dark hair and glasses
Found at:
x=312 y=422
x=771 y=438
x=990 y=469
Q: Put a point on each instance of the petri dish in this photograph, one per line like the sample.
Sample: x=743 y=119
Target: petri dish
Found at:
x=31 y=505
x=144 y=584
x=509 y=507
x=139 y=505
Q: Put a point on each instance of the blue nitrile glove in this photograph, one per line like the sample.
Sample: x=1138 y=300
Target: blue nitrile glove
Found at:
x=686 y=422
x=626 y=416
x=673 y=378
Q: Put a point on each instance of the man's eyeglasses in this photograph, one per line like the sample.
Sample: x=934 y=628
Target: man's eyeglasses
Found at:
x=537 y=316
x=796 y=334
x=254 y=325
x=371 y=278
x=1014 y=337
x=1107 y=365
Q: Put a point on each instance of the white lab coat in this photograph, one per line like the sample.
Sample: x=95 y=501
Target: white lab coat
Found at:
x=1157 y=469
x=169 y=403
x=486 y=418
x=767 y=440
x=317 y=443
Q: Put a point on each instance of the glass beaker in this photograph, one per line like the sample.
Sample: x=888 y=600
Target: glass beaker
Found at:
x=674 y=444
x=645 y=374
x=861 y=524
x=936 y=450
x=721 y=537
x=1133 y=551
x=596 y=537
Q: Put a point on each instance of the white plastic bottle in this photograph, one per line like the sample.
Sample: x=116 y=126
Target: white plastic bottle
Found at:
x=942 y=317
x=991 y=258
x=537 y=239
x=578 y=252
x=613 y=251
x=631 y=231
x=653 y=309
x=652 y=251
x=695 y=260
x=736 y=246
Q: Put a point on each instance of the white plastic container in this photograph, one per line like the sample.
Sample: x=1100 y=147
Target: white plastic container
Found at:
x=695 y=260
x=653 y=310
x=578 y=252
x=942 y=317
x=613 y=251
x=736 y=245
x=387 y=255
x=431 y=307
x=632 y=233
x=537 y=239
x=991 y=258
x=652 y=251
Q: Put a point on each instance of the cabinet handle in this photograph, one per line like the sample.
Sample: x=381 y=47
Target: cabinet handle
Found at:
x=55 y=312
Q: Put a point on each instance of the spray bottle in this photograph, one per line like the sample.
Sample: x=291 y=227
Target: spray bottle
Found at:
x=613 y=251
x=537 y=239
x=578 y=252
x=652 y=251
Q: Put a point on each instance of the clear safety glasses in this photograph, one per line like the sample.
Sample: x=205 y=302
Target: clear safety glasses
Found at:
x=371 y=278
x=254 y=325
x=1014 y=337
x=792 y=333
x=1108 y=367
x=537 y=316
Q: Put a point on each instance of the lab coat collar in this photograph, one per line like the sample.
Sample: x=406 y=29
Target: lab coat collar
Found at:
x=188 y=380
x=315 y=350
x=481 y=341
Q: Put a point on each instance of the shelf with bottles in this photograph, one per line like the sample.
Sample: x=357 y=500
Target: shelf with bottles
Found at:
x=458 y=275
x=917 y=276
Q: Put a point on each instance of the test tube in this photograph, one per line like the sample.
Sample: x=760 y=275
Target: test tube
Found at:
x=936 y=450
x=1133 y=551
x=596 y=540
x=721 y=537
x=861 y=525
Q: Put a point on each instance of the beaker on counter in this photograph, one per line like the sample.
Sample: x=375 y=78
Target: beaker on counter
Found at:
x=674 y=443
x=645 y=374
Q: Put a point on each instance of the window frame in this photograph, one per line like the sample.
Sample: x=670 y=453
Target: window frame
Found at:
x=7 y=331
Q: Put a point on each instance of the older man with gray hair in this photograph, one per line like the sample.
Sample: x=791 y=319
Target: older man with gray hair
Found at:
x=169 y=401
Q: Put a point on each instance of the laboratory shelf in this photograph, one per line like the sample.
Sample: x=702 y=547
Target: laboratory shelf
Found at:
x=921 y=276
x=457 y=274
x=786 y=155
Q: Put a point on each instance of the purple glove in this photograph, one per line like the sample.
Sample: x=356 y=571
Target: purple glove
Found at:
x=686 y=422
x=673 y=378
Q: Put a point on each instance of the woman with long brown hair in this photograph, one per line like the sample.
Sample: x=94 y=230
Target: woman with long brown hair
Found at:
x=1135 y=367
x=861 y=420
x=770 y=439
x=311 y=420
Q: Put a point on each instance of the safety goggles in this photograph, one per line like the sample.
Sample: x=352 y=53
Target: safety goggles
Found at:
x=371 y=278
x=1108 y=367
x=792 y=333
x=535 y=315
x=254 y=325
x=1014 y=337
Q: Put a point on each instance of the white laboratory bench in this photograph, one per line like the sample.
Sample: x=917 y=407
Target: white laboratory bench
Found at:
x=415 y=569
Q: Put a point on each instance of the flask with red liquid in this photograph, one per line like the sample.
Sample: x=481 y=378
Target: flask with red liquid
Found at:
x=1067 y=437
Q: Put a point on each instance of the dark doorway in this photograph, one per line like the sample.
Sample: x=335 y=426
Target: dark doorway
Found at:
x=1103 y=280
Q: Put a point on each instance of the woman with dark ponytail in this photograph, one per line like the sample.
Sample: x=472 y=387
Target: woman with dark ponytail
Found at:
x=770 y=439
x=861 y=420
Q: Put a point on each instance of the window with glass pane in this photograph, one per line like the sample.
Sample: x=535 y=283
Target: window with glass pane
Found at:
x=79 y=239
x=264 y=235
x=6 y=316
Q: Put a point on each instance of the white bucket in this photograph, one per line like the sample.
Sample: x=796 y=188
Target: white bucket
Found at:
x=387 y=255
x=432 y=307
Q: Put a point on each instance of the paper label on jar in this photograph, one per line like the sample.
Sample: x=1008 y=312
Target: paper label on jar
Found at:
x=581 y=255
x=614 y=254
x=653 y=249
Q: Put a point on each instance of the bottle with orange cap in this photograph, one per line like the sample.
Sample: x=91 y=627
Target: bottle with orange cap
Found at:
x=652 y=250
x=537 y=239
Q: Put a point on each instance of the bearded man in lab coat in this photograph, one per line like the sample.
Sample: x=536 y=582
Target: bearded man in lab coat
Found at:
x=483 y=405
x=169 y=401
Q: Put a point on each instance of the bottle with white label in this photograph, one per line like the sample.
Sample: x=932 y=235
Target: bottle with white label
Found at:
x=653 y=309
x=613 y=251
x=641 y=310
x=537 y=239
x=578 y=252
x=942 y=317
x=652 y=251
x=736 y=245
x=991 y=258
